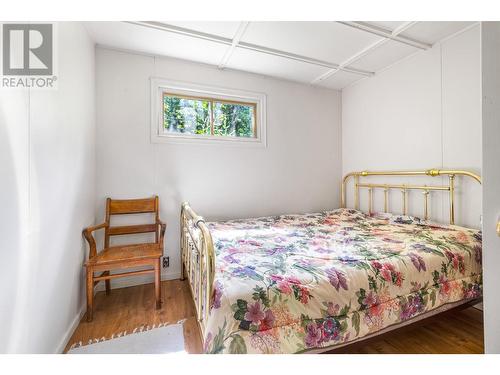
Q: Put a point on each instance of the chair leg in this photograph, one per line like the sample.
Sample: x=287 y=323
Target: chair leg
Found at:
x=90 y=293
x=108 y=284
x=158 y=284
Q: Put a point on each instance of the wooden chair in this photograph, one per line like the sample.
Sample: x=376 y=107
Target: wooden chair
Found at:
x=125 y=256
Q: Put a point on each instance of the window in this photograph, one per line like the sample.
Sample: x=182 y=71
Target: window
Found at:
x=207 y=116
x=194 y=113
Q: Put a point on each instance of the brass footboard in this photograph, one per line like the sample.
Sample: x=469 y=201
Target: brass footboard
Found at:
x=197 y=262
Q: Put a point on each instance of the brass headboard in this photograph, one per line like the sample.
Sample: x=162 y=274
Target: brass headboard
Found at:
x=404 y=188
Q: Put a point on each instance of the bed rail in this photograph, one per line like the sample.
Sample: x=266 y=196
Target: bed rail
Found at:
x=197 y=261
x=405 y=188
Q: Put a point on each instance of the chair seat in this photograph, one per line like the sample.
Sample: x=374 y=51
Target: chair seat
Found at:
x=118 y=254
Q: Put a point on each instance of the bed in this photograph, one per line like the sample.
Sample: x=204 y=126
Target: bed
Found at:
x=313 y=282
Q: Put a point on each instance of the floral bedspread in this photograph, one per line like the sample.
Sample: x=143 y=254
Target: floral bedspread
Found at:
x=292 y=283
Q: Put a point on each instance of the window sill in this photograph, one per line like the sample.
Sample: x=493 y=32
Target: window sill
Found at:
x=208 y=140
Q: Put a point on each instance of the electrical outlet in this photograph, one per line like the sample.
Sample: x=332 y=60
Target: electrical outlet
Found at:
x=166 y=262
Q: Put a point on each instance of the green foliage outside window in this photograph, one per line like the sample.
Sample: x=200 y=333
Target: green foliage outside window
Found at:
x=195 y=116
x=233 y=120
x=186 y=115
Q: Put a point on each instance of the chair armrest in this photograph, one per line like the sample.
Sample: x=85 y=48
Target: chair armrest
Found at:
x=162 y=228
x=87 y=233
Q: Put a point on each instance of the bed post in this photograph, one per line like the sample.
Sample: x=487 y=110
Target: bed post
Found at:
x=197 y=261
x=452 y=198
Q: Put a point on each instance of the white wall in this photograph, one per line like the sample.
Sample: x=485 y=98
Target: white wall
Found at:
x=490 y=36
x=421 y=113
x=47 y=196
x=299 y=171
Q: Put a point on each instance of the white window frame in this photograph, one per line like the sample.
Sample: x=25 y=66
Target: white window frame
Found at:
x=160 y=85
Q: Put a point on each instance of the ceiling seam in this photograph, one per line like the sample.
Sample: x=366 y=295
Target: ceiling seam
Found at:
x=308 y=60
x=440 y=42
x=372 y=29
x=398 y=30
x=350 y=60
x=236 y=40
x=403 y=27
x=244 y=45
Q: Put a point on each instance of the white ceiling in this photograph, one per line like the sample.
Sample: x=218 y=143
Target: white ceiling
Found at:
x=328 y=54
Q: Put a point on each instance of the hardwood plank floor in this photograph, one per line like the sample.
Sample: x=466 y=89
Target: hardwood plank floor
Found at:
x=458 y=332
x=452 y=332
x=128 y=308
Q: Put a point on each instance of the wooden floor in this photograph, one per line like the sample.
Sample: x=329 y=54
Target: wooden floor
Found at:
x=459 y=332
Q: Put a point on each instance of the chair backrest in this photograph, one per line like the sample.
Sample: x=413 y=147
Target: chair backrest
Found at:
x=127 y=207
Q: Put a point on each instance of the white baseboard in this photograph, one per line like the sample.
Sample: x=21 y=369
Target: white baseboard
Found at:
x=115 y=284
x=70 y=330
